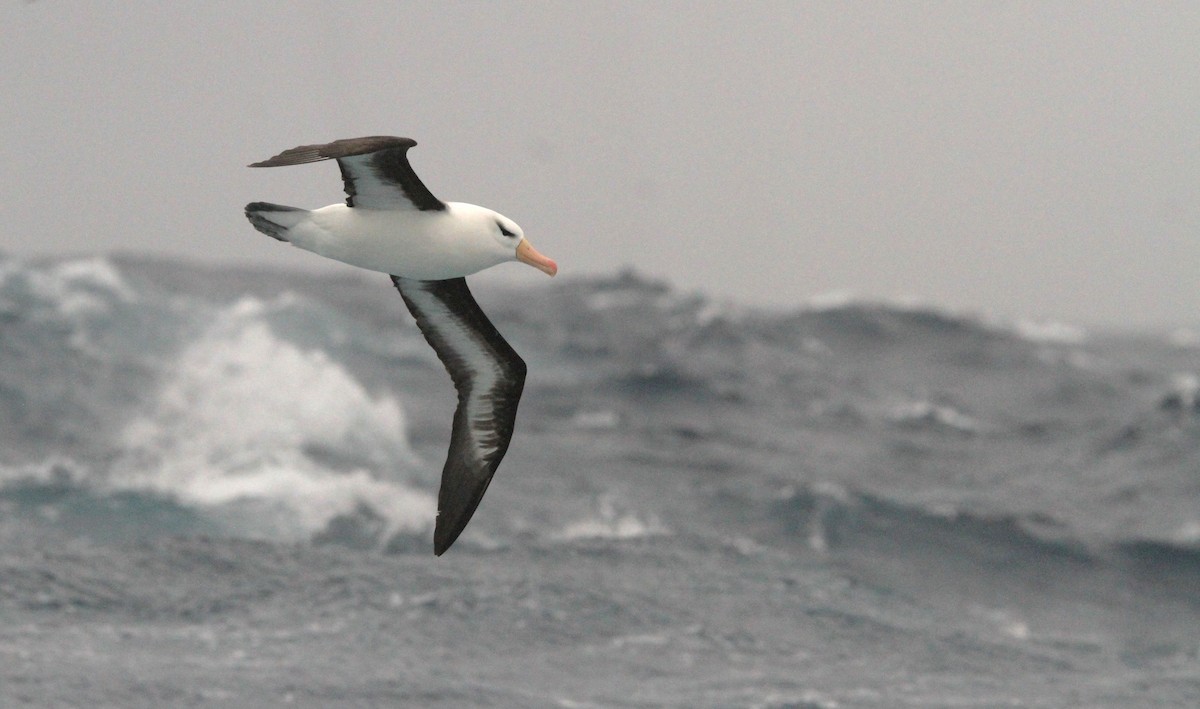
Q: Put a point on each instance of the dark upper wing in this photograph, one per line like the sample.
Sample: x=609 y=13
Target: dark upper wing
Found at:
x=375 y=171
x=489 y=376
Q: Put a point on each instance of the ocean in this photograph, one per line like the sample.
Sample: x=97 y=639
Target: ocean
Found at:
x=217 y=488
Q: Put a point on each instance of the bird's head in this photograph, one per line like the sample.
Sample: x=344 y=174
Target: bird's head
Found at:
x=513 y=240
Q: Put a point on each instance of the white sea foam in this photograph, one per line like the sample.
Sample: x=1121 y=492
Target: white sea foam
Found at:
x=926 y=412
x=81 y=287
x=249 y=420
x=611 y=521
x=78 y=293
x=598 y=420
x=55 y=470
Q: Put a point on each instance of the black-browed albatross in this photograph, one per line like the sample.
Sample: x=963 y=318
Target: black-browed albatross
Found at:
x=393 y=224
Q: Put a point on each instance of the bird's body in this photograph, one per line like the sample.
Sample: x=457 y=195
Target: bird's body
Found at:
x=391 y=223
x=426 y=245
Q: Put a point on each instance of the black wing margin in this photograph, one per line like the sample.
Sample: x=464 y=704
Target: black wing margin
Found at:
x=375 y=170
x=488 y=376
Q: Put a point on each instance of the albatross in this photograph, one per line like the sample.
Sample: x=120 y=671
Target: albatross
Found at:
x=393 y=224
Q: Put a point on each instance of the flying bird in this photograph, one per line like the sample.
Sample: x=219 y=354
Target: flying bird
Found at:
x=393 y=224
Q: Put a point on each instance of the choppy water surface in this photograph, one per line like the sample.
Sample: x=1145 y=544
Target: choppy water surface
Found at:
x=217 y=488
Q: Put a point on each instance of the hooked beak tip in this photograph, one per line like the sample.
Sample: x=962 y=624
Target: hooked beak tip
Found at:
x=529 y=255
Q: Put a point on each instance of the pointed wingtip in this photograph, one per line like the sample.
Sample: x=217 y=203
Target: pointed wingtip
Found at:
x=444 y=536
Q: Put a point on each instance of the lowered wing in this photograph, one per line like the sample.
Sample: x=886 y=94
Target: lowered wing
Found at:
x=488 y=375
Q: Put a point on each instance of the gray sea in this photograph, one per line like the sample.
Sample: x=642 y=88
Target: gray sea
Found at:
x=217 y=488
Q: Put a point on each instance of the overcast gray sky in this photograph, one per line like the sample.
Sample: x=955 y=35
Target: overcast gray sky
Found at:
x=1036 y=159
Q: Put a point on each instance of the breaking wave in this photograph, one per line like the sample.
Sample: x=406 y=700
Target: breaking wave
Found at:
x=223 y=423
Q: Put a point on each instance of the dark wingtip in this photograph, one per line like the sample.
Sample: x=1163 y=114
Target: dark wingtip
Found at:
x=444 y=536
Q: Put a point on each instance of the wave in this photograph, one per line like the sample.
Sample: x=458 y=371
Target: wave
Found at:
x=62 y=497
x=635 y=336
x=835 y=520
x=306 y=447
x=1161 y=556
x=73 y=289
x=182 y=408
x=891 y=318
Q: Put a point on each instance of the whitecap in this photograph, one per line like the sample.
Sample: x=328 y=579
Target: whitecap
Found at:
x=938 y=415
x=283 y=438
x=82 y=287
x=598 y=420
x=612 y=521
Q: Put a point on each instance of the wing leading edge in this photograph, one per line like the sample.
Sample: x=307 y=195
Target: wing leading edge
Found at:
x=375 y=170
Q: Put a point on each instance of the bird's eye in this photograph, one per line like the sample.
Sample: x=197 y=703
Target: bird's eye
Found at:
x=504 y=231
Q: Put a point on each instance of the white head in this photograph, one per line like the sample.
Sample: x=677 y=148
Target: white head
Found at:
x=513 y=241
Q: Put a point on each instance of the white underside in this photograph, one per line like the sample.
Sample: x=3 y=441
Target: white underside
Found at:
x=477 y=359
x=423 y=245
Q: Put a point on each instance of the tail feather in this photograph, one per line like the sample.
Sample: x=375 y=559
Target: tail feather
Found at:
x=274 y=220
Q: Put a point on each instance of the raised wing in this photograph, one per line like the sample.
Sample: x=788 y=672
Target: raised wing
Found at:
x=488 y=375
x=375 y=171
